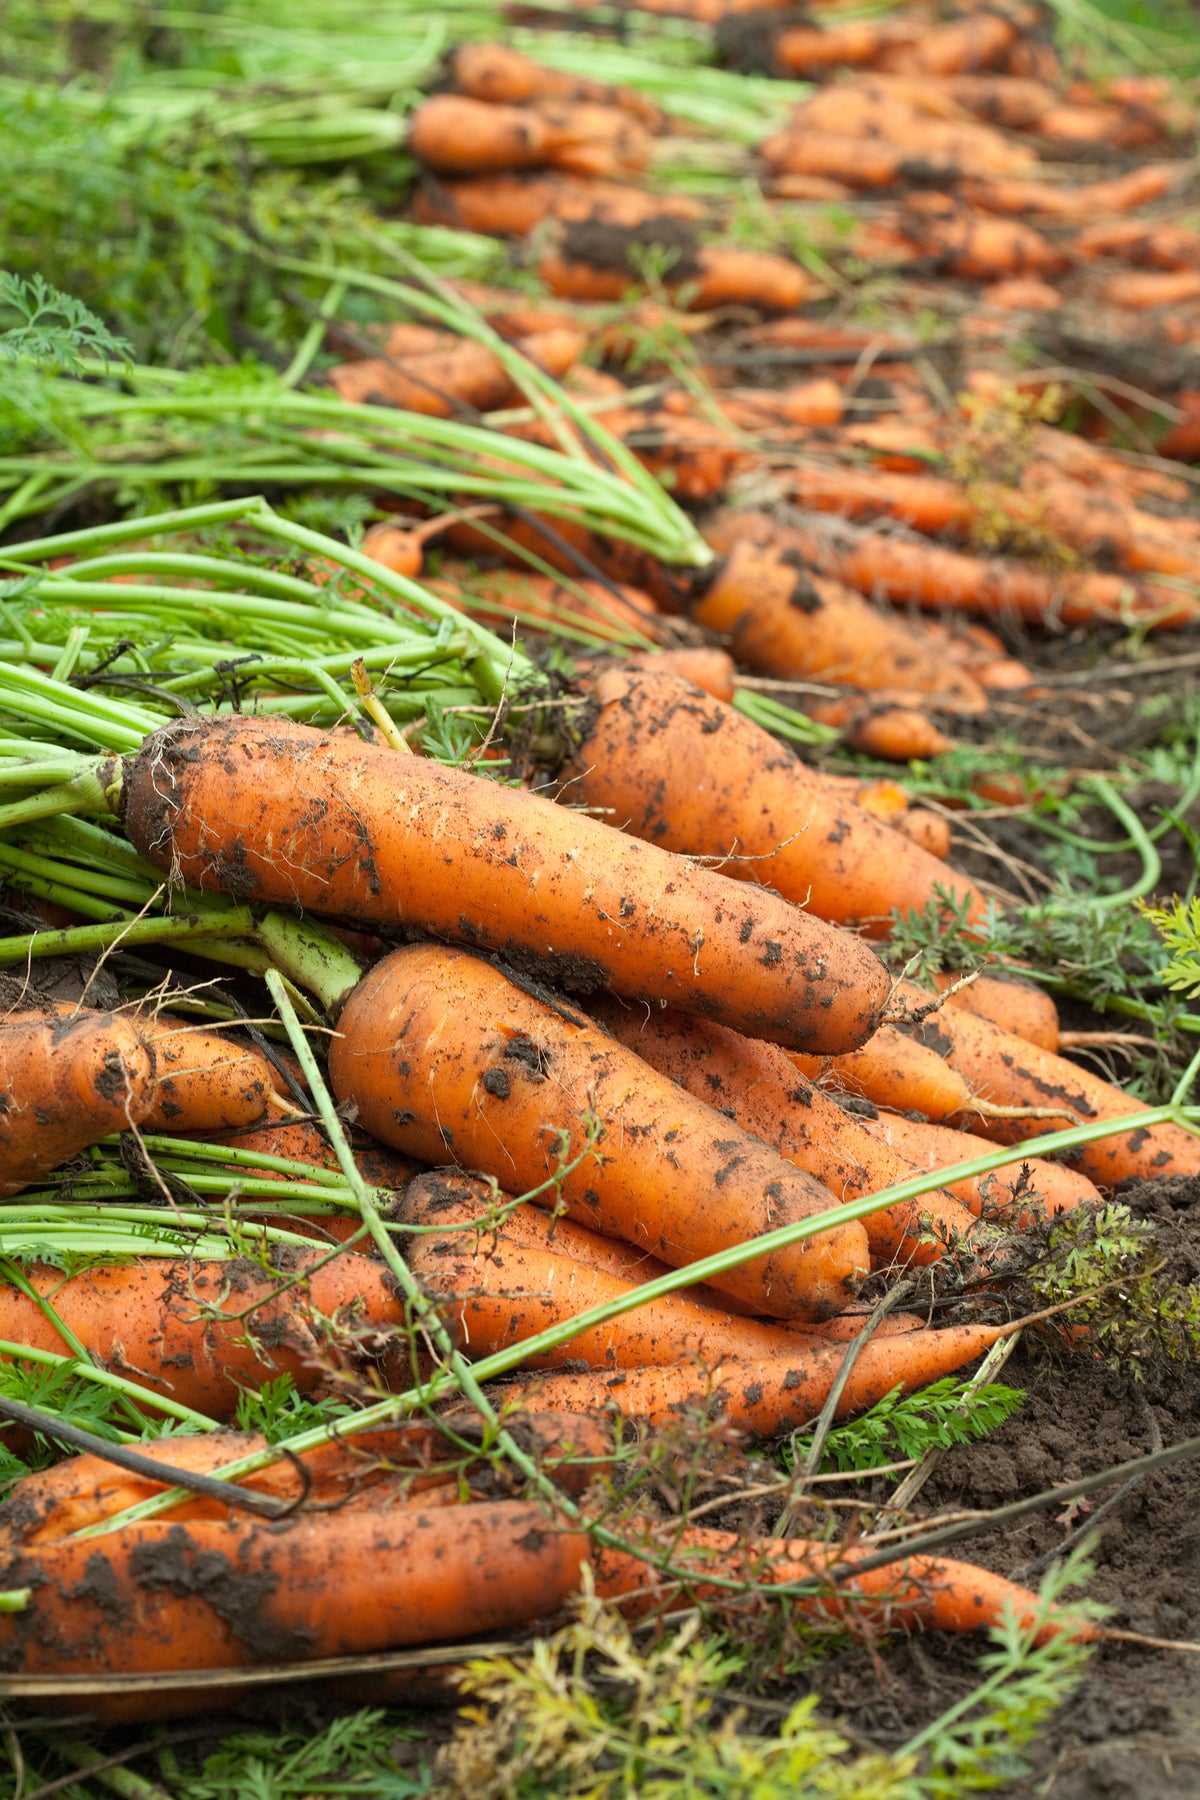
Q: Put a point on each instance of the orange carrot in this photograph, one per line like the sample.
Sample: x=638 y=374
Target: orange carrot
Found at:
x=891 y=567
x=509 y=1089
x=593 y=264
x=442 y=383
x=871 y=113
x=501 y=1287
x=975 y=41
x=67 y=1079
x=1010 y=1001
x=542 y=601
x=1139 y=292
x=161 y=1595
x=1025 y=1180
x=291 y=815
x=927 y=829
x=504 y=77
x=203 y=1081
x=913 y=1590
x=904 y=1071
x=460 y=136
x=780 y=620
x=757 y=1085
x=703 y=666
x=802 y=49
x=501 y=205
x=199 y=1331
x=1021 y=293
x=763 y=1397
x=808 y=403
x=1008 y=1071
x=877 y=727
x=1122 y=195
x=679 y=768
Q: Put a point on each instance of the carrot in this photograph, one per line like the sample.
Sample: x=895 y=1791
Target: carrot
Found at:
x=500 y=1288
x=876 y=727
x=442 y=383
x=808 y=403
x=978 y=40
x=508 y=1091
x=203 y=1081
x=67 y=1079
x=782 y=621
x=905 y=1072
x=504 y=77
x=1140 y=292
x=804 y=49
x=383 y=1467
x=501 y=205
x=1021 y=293
x=1024 y=1180
x=395 y=548
x=763 y=1397
x=1124 y=194
x=894 y=568
x=929 y=503
x=985 y=249
x=1142 y=243
x=712 y=277
x=1006 y=1070
x=927 y=829
x=200 y=1330
x=540 y=600
x=1008 y=1000
x=679 y=768
x=161 y=1595
x=855 y=162
x=294 y=816
x=757 y=1085
x=706 y=668
x=460 y=136
x=934 y=1592
x=867 y=112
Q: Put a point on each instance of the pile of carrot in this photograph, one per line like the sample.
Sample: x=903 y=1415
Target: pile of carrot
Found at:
x=626 y=1014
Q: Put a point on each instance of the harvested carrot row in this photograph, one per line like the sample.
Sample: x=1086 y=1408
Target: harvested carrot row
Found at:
x=1030 y=1180
x=440 y=1051
x=765 y=1397
x=677 y=767
x=288 y=814
x=66 y=1080
x=381 y=1467
x=757 y=1085
x=199 y=1331
x=1007 y=1070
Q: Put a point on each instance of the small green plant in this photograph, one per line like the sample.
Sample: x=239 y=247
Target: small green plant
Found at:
x=1133 y=1305
x=591 y=1714
x=54 y=330
x=907 y=1425
x=1178 y=925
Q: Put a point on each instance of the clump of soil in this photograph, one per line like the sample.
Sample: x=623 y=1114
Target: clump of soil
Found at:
x=1133 y=1727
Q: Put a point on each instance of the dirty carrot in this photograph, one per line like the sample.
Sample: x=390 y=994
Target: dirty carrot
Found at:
x=757 y=1085
x=1026 y=1181
x=500 y=1287
x=442 y=1052
x=679 y=768
x=1007 y=1071
x=783 y=621
x=765 y=1397
x=204 y=1081
x=67 y=1079
x=1008 y=1000
x=201 y=1330
x=286 y=813
x=442 y=383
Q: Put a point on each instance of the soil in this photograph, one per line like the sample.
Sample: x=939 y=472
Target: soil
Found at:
x=1133 y=1726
